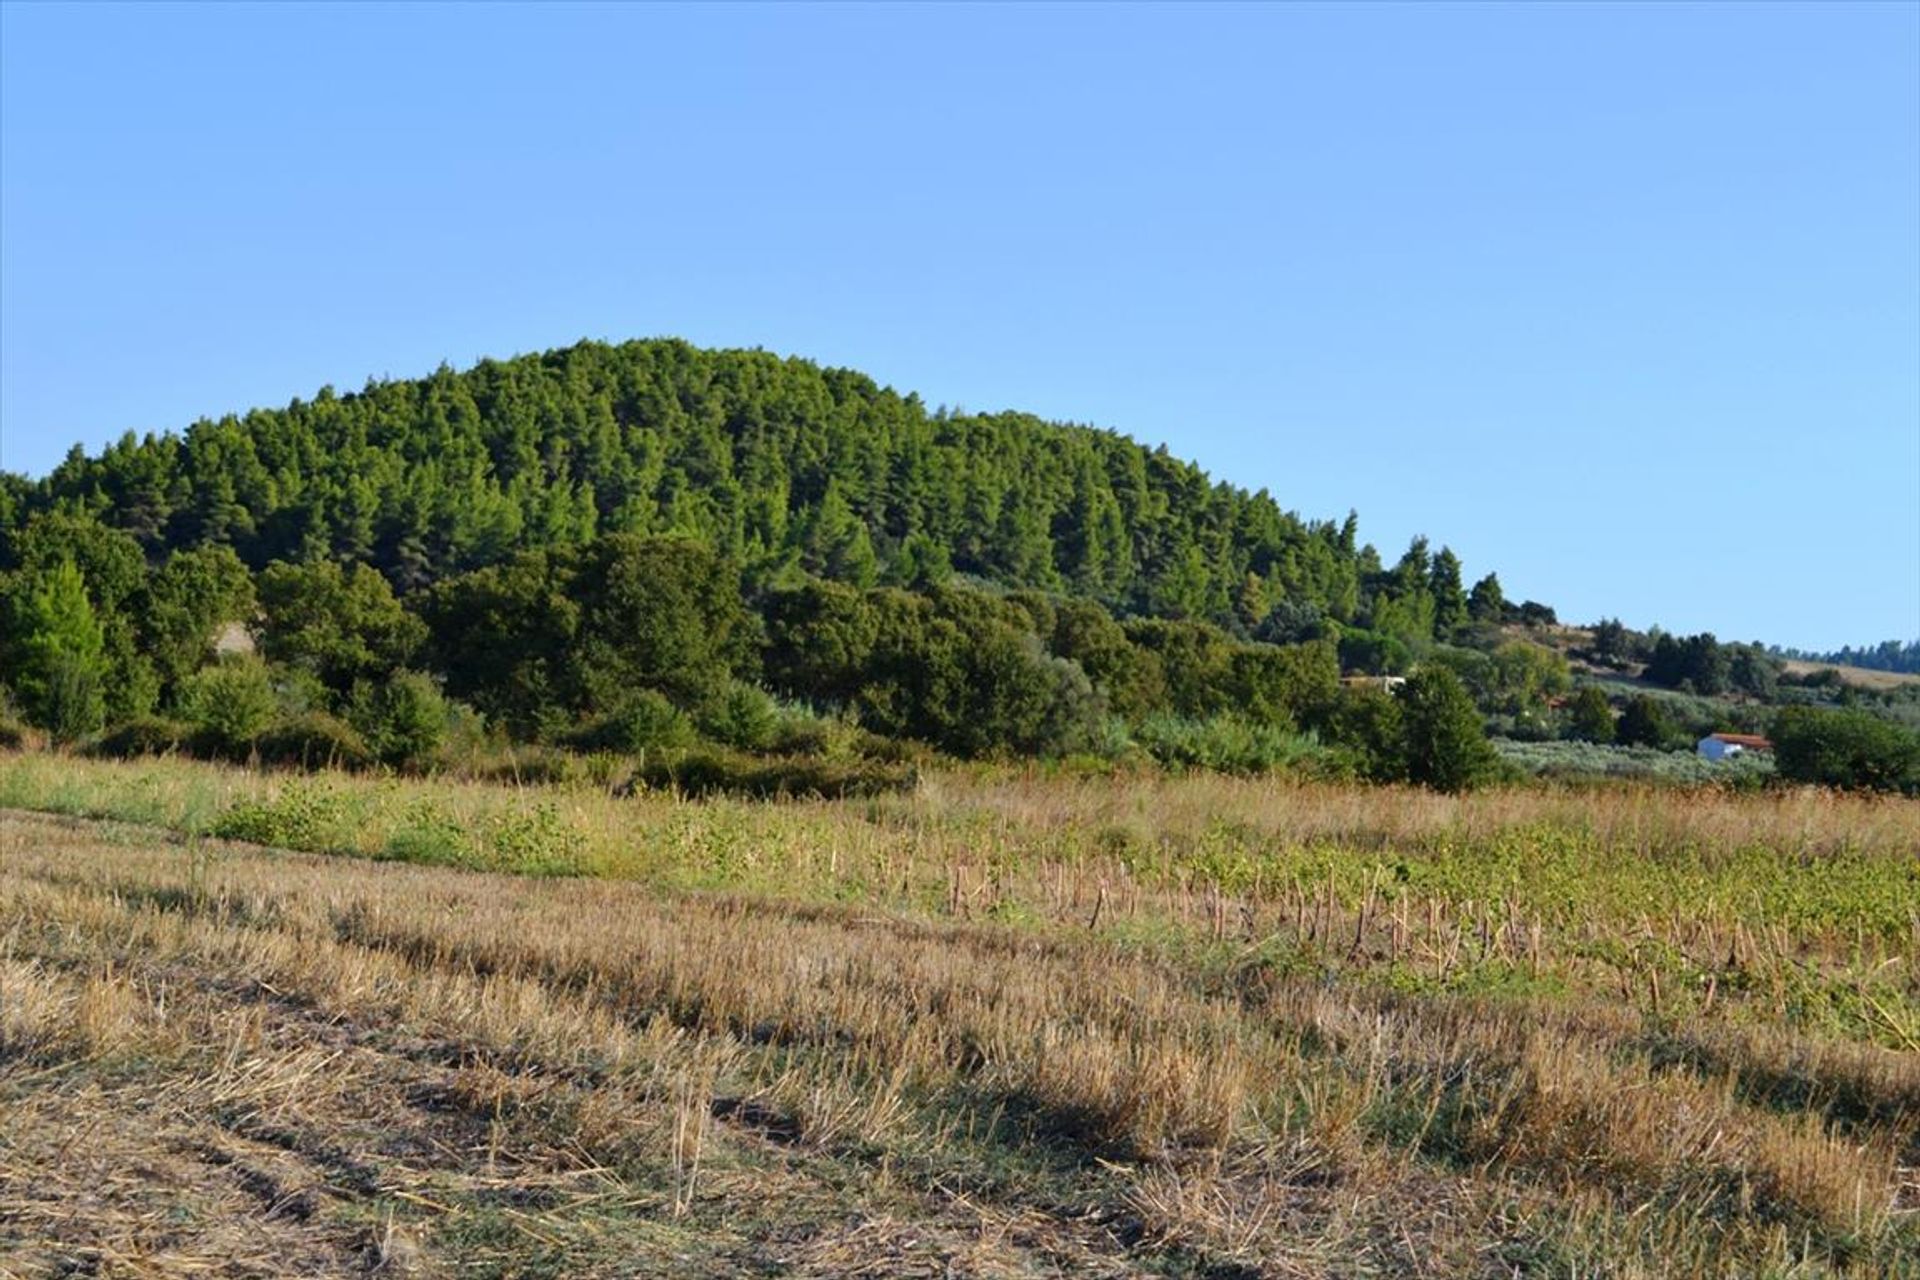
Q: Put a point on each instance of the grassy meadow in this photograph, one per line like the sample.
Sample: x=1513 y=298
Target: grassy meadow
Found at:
x=1009 y=1023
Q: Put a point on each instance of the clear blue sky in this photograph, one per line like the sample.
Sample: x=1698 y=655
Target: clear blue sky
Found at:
x=1622 y=301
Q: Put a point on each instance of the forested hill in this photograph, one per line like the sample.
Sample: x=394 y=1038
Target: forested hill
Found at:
x=774 y=462
x=1901 y=658
x=651 y=550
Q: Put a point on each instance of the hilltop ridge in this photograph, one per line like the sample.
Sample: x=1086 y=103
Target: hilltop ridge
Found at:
x=774 y=461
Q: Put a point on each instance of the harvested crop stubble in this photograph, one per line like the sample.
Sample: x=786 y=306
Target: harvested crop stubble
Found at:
x=237 y=1061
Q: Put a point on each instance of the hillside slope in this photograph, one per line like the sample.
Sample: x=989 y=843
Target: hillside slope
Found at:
x=773 y=461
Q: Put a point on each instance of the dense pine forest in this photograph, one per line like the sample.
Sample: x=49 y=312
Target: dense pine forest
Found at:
x=776 y=464
x=655 y=549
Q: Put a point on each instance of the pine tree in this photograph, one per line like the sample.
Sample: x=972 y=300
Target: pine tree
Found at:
x=920 y=565
x=1488 y=603
x=1450 y=613
x=1590 y=715
x=837 y=544
x=62 y=656
x=1446 y=744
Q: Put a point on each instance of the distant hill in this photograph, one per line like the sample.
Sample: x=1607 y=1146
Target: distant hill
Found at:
x=1888 y=655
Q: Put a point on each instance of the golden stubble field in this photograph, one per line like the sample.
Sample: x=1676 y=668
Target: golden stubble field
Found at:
x=1007 y=1025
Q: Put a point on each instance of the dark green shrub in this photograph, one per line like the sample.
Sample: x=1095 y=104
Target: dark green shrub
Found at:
x=1844 y=748
x=403 y=719
x=1613 y=645
x=314 y=740
x=1363 y=727
x=1534 y=614
x=141 y=736
x=1292 y=622
x=228 y=705
x=1700 y=662
x=534 y=767
x=1646 y=723
x=742 y=717
x=557 y=634
x=1590 y=715
x=645 y=722
x=342 y=624
x=1225 y=743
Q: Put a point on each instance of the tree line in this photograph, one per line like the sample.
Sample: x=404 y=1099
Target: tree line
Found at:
x=637 y=643
x=649 y=546
x=1889 y=655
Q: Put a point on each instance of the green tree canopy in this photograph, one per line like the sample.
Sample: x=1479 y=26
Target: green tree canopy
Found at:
x=553 y=636
x=342 y=624
x=1450 y=612
x=61 y=653
x=1446 y=744
x=187 y=600
x=1590 y=716
x=230 y=703
x=1646 y=723
x=1487 y=602
x=1845 y=748
x=1700 y=663
x=769 y=461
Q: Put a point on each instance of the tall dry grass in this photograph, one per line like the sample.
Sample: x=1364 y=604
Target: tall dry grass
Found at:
x=417 y=1039
x=1798 y=909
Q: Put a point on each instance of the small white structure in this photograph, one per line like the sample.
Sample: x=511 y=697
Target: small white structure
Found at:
x=1725 y=746
x=232 y=637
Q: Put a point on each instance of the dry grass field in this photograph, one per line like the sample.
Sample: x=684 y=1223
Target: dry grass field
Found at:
x=1859 y=677
x=1008 y=1025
